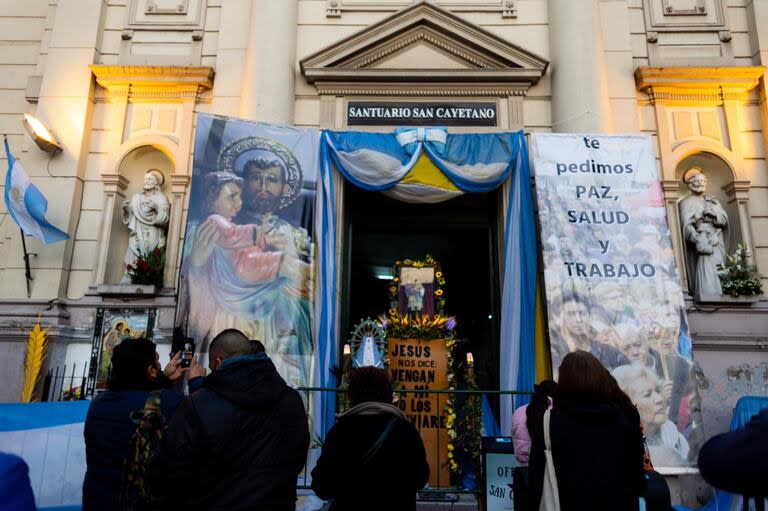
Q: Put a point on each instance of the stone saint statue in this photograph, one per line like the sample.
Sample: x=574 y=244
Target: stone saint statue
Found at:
x=146 y=216
x=704 y=223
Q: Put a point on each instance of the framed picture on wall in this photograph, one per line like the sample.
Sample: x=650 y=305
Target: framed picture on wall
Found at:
x=112 y=327
x=416 y=290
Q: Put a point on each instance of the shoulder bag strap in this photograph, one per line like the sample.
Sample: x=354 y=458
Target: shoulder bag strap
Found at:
x=547 y=439
x=371 y=453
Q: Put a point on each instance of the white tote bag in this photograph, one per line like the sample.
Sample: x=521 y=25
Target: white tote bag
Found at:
x=550 y=496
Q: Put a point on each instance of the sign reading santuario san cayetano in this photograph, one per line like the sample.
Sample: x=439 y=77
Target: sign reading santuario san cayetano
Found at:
x=384 y=113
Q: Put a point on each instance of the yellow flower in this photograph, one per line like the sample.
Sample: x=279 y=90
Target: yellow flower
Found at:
x=450 y=455
x=450 y=447
x=396 y=279
x=438 y=274
x=392 y=312
x=439 y=292
x=394 y=289
x=408 y=262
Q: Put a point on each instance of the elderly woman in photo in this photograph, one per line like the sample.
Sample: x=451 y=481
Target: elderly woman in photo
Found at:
x=668 y=447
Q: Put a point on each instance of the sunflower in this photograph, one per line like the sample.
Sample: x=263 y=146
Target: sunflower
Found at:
x=439 y=292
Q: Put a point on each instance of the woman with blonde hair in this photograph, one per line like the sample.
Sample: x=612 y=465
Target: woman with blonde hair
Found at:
x=667 y=446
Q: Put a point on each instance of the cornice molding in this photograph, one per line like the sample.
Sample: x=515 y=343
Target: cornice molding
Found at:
x=154 y=83
x=419 y=89
x=697 y=84
x=487 y=57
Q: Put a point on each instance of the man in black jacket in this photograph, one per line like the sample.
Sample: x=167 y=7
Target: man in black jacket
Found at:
x=239 y=442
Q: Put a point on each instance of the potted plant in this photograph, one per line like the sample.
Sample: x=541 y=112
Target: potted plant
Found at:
x=147 y=270
x=739 y=278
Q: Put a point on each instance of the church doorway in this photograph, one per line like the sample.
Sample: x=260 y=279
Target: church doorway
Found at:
x=461 y=234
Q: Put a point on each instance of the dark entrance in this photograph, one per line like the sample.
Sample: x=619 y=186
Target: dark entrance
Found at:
x=460 y=233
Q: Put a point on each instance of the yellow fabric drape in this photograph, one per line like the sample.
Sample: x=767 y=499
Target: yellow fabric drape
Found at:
x=426 y=173
x=543 y=355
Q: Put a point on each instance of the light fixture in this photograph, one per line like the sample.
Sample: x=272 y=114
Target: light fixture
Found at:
x=347 y=350
x=41 y=135
x=470 y=359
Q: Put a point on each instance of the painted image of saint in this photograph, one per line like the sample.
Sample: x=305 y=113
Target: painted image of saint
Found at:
x=416 y=290
x=246 y=265
x=117 y=327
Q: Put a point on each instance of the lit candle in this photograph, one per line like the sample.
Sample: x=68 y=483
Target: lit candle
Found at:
x=347 y=350
x=470 y=359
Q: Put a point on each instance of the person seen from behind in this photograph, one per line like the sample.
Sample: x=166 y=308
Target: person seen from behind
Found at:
x=373 y=457
x=738 y=461
x=238 y=443
x=114 y=415
x=530 y=415
x=596 y=441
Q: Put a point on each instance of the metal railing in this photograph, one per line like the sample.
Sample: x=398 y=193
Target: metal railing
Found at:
x=441 y=483
x=65 y=383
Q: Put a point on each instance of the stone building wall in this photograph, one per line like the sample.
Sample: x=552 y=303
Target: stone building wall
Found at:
x=118 y=82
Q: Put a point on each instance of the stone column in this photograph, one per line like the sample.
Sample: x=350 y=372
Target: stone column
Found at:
x=757 y=16
x=114 y=194
x=580 y=100
x=739 y=191
x=671 y=189
x=65 y=104
x=270 y=62
x=179 y=185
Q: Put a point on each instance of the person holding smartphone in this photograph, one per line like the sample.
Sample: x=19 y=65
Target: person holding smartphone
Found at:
x=110 y=423
x=240 y=441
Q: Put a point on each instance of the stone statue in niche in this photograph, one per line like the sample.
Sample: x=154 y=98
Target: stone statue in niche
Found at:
x=146 y=214
x=705 y=224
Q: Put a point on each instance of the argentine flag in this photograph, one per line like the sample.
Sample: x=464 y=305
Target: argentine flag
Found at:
x=26 y=204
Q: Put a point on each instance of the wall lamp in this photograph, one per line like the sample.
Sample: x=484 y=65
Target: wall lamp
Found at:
x=41 y=135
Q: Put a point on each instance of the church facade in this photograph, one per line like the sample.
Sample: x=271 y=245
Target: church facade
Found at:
x=118 y=82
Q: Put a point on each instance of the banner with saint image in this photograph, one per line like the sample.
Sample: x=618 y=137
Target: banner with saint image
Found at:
x=611 y=278
x=248 y=259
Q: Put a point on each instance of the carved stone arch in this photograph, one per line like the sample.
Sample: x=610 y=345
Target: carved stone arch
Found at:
x=732 y=190
x=119 y=184
x=162 y=143
x=690 y=147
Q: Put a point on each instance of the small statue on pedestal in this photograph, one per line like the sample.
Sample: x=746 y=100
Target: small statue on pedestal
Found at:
x=704 y=223
x=146 y=214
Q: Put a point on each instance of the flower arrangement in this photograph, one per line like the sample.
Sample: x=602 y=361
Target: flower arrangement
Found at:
x=421 y=326
x=464 y=430
x=147 y=270
x=738 y=277
x=72 y=394
x=439 y=282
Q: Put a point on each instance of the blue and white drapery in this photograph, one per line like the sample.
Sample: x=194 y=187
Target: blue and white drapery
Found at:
x=473 y=163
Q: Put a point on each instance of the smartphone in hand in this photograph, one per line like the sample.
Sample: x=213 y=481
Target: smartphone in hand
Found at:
x=187 y=352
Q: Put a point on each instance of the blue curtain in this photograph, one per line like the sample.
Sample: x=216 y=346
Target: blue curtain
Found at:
x=474 y=163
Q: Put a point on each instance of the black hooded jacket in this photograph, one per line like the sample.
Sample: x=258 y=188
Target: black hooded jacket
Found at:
x=238 y=443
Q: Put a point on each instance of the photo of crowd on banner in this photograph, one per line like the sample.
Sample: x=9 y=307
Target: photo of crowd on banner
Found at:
x=248 y=249
x=634 y=323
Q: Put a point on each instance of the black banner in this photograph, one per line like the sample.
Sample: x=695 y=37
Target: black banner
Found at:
x=361 y=113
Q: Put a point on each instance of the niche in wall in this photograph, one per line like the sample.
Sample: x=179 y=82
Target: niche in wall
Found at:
x=719 y=176
x=132 y=167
